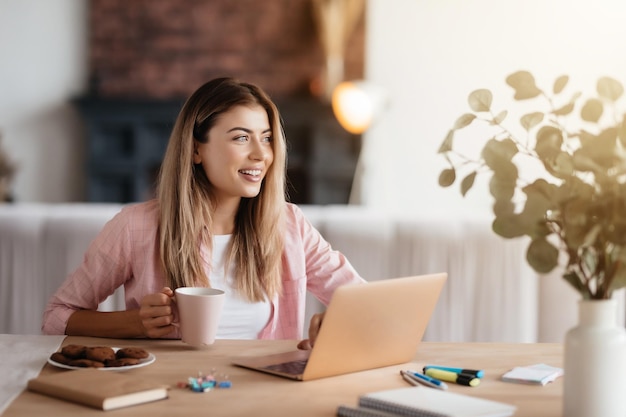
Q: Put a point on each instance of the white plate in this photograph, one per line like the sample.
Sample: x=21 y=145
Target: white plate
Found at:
x=142 y=362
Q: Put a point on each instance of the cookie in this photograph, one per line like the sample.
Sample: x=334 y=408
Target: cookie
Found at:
x=60 y=358
x=74 y=351
x=86 y=363
x=132 y=352
x=121 y=362
x=99 y=353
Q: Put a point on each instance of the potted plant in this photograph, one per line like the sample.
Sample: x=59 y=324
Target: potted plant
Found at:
x=560 y=180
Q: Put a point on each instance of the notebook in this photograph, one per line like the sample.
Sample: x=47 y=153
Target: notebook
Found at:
x=98 y=389
x=424 y=402
x=366 y=326
x=539 y=374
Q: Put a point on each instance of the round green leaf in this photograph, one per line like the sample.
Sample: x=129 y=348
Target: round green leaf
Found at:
x=562 y=166
x=542 y=256
x=464 y=120
x=447 y=177
x=592 y=110
x=508 y=226
x=600 y=148
x=539 y=202
x=565 y=110
x=495 y=151
x=609 y=88
x=503 y=207
x=549 y=142
x=560 y=84
x=480 y=100
x=524 y=85
x=501 y=187
x=467 y=183
x=530 y=120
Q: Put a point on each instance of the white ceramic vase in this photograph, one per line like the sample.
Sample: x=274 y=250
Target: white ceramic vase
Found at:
x=595 y=363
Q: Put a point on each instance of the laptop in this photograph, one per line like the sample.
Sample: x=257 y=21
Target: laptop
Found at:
x=366 y=326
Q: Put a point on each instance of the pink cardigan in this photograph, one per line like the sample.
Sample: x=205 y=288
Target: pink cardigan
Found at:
x=126 y=253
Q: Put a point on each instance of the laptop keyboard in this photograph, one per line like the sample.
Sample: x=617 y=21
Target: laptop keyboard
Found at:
x=292 y=367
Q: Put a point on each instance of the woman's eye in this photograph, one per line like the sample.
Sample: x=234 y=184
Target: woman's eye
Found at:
x=241 y=138
x=267 y=139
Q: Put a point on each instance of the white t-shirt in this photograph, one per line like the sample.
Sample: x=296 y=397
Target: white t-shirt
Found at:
x=240 y=318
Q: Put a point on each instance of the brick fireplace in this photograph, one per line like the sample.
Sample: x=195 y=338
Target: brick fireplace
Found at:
x=146 y=56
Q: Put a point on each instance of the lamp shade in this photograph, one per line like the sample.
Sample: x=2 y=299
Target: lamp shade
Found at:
x=356 y=104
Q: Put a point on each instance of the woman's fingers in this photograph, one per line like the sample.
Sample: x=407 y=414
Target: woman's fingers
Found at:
x=304 y=345
x=314 y=329
x=156 y=313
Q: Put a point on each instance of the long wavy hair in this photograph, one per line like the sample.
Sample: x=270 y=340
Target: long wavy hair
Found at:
x=187 y=201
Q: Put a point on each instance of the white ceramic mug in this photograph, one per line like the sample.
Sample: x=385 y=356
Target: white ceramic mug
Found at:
x=199 y=311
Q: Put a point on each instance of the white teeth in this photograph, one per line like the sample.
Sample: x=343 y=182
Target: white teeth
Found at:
x=251 y=171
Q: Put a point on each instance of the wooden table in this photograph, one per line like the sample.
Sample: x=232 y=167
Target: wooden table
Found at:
x=255 y=393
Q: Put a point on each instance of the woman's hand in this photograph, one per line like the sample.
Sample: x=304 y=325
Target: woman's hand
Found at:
x=314 y=329
x=156 y=313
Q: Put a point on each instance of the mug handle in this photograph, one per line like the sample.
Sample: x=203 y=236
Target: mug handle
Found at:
x=176 y=316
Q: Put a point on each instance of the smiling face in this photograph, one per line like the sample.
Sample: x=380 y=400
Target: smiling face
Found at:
x=238 y=153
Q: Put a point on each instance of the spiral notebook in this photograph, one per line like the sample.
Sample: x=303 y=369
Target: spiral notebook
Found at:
x=424 y=402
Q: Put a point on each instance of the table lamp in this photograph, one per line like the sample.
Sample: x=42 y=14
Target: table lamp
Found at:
x=356 y=104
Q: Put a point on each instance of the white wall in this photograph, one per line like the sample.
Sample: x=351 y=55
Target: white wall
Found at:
x=430 y=54
x=43 y=65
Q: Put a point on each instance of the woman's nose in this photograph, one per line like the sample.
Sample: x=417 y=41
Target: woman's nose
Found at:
x=258 y=150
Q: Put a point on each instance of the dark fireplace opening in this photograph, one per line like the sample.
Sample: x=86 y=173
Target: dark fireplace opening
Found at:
x=126 y=141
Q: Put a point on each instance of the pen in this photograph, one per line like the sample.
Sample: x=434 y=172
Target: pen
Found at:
x=461 y=379
x=408 y=379
x=426 y=380
x=477 y=373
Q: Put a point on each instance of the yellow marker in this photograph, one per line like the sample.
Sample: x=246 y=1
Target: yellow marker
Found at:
x=459 y=378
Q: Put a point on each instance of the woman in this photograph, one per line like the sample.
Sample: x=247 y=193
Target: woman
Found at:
x=220 y=219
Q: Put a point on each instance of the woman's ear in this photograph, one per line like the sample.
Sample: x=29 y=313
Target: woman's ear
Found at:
x=196 y=154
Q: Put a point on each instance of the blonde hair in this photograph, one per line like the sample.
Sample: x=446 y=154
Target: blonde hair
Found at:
x=186 y=200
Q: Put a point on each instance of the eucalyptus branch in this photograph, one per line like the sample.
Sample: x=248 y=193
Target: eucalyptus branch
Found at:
x=583 y=176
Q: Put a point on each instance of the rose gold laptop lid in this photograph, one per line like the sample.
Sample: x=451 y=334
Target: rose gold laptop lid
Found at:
x=365 y=327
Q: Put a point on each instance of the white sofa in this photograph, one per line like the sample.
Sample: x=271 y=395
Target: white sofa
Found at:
x=491 y=294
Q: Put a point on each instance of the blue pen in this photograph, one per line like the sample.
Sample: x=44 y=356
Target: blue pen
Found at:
x=426 y=380
x=475 y=372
